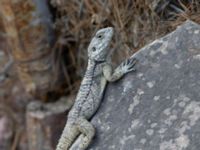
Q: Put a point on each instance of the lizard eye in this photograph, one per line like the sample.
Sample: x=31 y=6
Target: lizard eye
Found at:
x=93 y=49
x=99 y=36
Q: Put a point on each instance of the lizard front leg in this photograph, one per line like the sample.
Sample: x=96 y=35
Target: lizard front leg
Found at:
x=121 y=70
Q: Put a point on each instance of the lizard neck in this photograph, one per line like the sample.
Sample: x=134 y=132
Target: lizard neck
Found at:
x=90 y=69
x=92 y=64
x=87 y=81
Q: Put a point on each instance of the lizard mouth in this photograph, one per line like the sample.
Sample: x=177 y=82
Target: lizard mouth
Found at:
x=100 y=61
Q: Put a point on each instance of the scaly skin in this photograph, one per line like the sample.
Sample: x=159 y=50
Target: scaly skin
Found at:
x=79 y=132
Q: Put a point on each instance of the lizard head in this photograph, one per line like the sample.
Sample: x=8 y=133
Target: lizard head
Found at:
x=98 y=47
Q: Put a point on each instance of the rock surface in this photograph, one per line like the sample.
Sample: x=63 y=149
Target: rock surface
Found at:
x=157 y=107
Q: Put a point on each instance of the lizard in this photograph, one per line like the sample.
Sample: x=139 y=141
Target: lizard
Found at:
x=98 y=73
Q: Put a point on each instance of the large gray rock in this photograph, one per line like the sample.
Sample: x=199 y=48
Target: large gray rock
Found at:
x=157 y=107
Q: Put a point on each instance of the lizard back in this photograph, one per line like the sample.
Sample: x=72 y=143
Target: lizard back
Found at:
x=90 y=93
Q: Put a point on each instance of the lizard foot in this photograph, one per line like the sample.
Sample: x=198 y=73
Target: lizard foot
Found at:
x=128 y=65
x=87 y=130
x=67 y=138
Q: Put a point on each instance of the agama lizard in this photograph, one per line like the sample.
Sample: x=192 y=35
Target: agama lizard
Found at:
x=78 y=130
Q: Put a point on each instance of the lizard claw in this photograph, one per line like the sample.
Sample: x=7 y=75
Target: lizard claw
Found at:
x=132 y=61
x=128 y=65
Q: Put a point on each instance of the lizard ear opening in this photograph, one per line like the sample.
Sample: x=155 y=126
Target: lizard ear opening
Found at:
x=93 y=49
